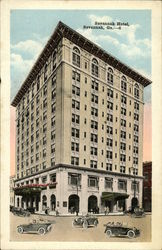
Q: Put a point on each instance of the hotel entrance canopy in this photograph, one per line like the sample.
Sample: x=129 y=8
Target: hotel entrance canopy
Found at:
x=109 y=196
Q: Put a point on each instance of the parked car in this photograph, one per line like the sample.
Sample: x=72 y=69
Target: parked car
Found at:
x=31 y=210
x=20 y=212
x=138 y=212
x=36 y=226
x=118 y=229
x=85 y=221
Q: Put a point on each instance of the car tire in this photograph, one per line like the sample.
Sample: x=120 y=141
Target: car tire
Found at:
x=85 y=224
x=108 y=233
x=95 y=223
x=41 y=231
x=73 y=224
x=131 y=234
x=20 y=230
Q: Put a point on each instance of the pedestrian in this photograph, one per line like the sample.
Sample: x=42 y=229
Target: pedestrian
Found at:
x=107 y=210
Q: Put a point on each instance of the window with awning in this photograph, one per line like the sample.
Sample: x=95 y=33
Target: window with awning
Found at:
x=109 y=196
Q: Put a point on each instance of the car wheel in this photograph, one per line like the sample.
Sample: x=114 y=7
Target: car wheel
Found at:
x=41 y=231
x=95 y=223
x=109 y=233
x=73 y=224
x=131 y=234
x=85 y=224
x=20 y=230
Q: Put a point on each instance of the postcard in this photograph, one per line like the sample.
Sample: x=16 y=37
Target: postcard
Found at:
x=81 y=125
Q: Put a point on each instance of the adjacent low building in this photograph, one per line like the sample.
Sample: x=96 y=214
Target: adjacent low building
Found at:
x=79 y=134
x=147 y=186
x=12 y=194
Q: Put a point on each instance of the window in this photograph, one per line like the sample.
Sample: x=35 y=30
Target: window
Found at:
x=123 y=122
x=85 y=65
x=38 y=82
x=44 y=165
x=52 y=148
x=75 y=105
x=123 y=111
x=94 y=98
x=53 y=94
x=94 y=138
x=123 y=99
x=109 y=142
x=85 y=80
x=136 y=105
x=54 y=60
x=45 y=72
x=122 y=185
x=37 y=111
x=123 y=146
x=136 y=128
x=124 y=84
x=109 y=118
x=75 y=76
x=110 y=93
x=44 y=140
x=75 y=161
x=74 y=179
x=85 y=134
x=94 y=85
x=53 y=177
x=94 y=67
x=37 y=145
x=110 y=105
x=122 y=158
x=52 y=124
x=110 y=76
x=109 y=183
x=93 y=164
x=45 y=90
x=44 y=115
x=54 y=81
x=37 y=157
x=136 y=91
x=93 y=151
x=53 y=108
x=44 y=179
x=75 y=90
x=85 y=94
x=76 y=56
x=109 y=155
x=53 y=135
x=122 y=169
x=52 y=162
x=75 y=132
x=135 y=160
x=109 y=130
x=93 y=181
x=108 y=166
x=44 y=152
x=37 y=122
x=94 y=111
x=75 y=118
x=136 y=117
x=123 y=134
x=75 y=146
x=135 y=150
x=84 y=147
x=94 y=124
x=135 y=138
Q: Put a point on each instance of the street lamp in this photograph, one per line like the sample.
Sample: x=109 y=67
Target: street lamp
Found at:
x=134 y=187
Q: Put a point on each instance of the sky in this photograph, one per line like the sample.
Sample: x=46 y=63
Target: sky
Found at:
x=31 y=29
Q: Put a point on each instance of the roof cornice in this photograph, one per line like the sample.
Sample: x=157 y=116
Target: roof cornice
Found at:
x=62 y=30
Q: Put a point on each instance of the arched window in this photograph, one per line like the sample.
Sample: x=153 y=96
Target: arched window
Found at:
x=76 y=57
x=124 y=84
x=94 y=67
x=136 y=91
x=110 y=76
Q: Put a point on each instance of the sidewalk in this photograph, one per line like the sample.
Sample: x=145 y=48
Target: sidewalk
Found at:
x=52 y=213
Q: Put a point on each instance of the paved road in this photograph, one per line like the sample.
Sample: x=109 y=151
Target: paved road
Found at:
x=62 y=229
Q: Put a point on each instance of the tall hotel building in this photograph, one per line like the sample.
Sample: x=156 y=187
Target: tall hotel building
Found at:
x=79 y=132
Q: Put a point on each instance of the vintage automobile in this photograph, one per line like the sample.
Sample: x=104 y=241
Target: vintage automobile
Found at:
x=20 y=212
x=138 y=212
x=36 y=226
x=119 y=229
x=85 y=221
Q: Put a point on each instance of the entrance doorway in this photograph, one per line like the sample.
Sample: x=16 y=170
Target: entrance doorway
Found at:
x=73 y=203
x=53 y=202
x=44 y=202
x=92 y=204
x=134 y=203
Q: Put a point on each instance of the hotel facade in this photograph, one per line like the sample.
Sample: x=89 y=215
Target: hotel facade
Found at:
x=79 y=129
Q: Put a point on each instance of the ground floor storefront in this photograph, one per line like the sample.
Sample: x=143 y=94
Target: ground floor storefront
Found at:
x=69 y=190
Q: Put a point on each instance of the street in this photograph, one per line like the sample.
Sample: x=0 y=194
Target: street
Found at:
x=62 y=229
